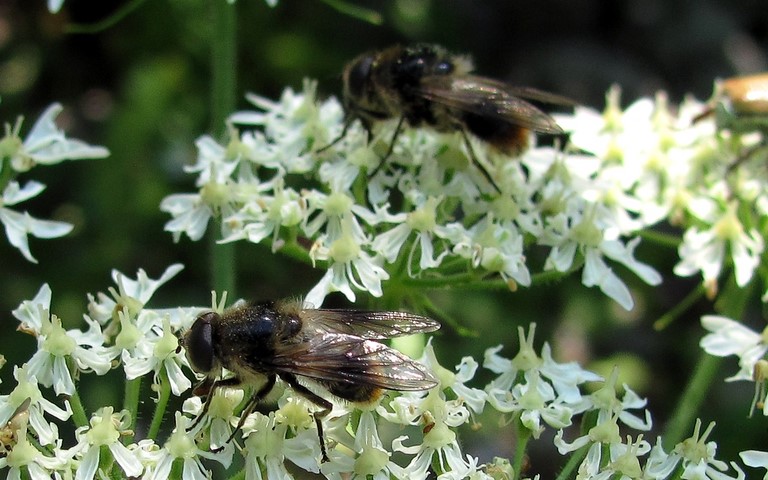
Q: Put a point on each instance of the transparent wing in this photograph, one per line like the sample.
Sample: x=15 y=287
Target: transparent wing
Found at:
x=365 y=324
x=352 y=360
x=487 y=97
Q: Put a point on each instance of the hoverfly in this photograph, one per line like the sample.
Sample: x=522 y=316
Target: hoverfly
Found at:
x=336 y=350
x=424 y=84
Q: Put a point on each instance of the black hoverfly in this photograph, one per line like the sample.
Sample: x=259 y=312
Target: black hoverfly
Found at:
x=424 y=84
x=336 y=350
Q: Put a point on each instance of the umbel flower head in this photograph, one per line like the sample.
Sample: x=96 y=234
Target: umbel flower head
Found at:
x=426 y=206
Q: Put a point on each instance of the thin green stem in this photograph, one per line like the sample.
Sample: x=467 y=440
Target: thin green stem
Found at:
x=679 y=425
x=437 y=312
x=108 y=22
x=78 y=411
x=131 y=403
x=355 y=11
x=732 y=304
x=160 y=406
x=659 y=238
x=574 y=460
x=683 y=306
x=223 y=88
x=464 y=280
x=296 y=252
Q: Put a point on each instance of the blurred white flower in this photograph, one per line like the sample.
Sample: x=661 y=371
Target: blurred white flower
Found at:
x=45 y=144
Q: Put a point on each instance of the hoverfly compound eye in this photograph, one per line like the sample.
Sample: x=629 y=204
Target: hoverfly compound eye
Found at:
x=357 y=78
x=199 y=343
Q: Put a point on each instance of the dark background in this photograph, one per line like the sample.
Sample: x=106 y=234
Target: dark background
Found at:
x=142 y=86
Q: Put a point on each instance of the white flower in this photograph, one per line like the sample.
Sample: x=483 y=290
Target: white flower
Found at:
x=131 y=295
x=605 y=400
x=56 y=345
x=293 y=125
x=694 y=455
x=755 y=458
x=287 y=434
x=368 y=457
x=217 y=421
x=19 y=225
x=704 y=250
x=349 y=266
x=159 y=352
x=105 y=430
x=564 y=377
x=423 y=221
x=697 y=458
x=264 y=217
x=584 y=232
x=27 y=388
x=729 y=337
x=180 y=445
x=545 y=391
x=45 y=144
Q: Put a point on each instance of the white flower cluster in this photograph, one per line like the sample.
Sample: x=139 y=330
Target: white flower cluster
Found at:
x=535 y=391
x=682 y=168
x=428 y=208
x=45 y=144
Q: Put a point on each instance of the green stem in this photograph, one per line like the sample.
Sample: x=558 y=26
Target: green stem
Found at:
x=78 y=411
x=296 y=252
x=223 y=88
x=223 y=64
x=437 y=312
x=523 y=435
x=222 y=266
x=679 y=425
x=464 y=280
x=355 y=11
x=573 y=463
x=732 y=303
x=131 y=403
x=160 y=407
x=663 y=239
x=108 y=22
x=680 y=308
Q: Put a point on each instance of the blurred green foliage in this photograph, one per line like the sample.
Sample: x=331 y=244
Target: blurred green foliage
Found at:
x=142 y=88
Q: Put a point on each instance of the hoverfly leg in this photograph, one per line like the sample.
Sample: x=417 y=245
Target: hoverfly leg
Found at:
x=212 y=386
x=476 y=162
x=252 y=402
x=391 y=147
x=336 y=140
x=324 y=404
x=744 y=156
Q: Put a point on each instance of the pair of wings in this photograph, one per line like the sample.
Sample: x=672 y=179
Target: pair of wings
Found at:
x=488 y=97
x=339 y=346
